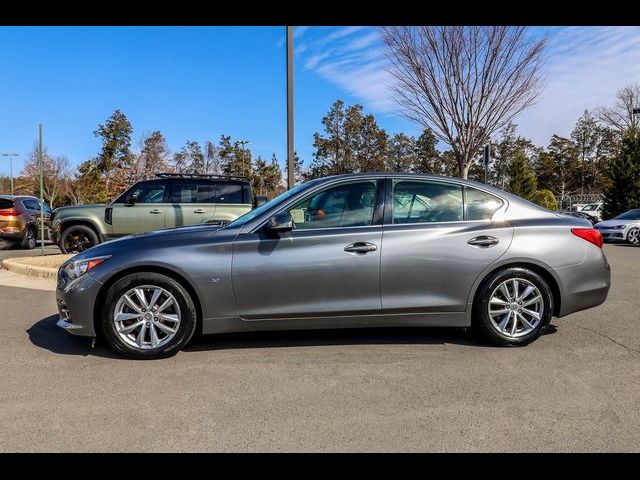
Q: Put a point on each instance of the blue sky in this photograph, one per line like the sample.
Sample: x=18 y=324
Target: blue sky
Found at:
x=197 y=83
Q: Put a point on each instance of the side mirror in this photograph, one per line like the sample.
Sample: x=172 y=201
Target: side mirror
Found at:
x=131 y=199
x=280 y=222
x=260 y=200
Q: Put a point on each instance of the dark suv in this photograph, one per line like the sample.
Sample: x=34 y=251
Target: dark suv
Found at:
x=171 y=200
x=20 y=220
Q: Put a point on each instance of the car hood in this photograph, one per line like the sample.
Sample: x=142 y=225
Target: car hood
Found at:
x=72 y=209
x=614 y=223
x=165 y=236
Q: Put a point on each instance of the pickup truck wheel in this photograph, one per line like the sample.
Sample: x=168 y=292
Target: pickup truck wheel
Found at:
x=77 y=238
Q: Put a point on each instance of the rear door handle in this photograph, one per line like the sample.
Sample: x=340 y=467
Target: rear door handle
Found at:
x=483 y=241
x=360 y=247
x=155 y=211
x=199 y=211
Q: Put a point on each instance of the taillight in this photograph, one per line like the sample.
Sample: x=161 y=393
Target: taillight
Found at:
x=589 y=234
x=9 y=213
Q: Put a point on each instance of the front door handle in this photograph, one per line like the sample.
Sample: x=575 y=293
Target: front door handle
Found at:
x=155 y=211
x=483 y=241
x=199 y=211
x=360 y=247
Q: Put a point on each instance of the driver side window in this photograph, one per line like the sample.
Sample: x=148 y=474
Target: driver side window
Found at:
x=149 y=192
x=345 y=205
x=423 y=202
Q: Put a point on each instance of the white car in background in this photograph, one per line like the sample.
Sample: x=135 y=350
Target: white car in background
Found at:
x=594 y=210
x=624 y=227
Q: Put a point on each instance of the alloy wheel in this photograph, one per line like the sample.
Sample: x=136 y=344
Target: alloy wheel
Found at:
x=147 y=317
x=633 y=236
x=516 y=307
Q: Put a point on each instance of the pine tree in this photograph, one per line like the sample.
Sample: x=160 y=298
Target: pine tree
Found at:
x=522 y=178
x=427 y=156
x=402 y=153
x=115 y=159
x=153 y=157
x=624 y=191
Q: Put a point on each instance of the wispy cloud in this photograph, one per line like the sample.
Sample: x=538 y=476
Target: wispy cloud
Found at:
x=585 y=68
x=299 y=31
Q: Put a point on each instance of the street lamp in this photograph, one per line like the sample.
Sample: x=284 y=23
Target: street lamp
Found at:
x=10 y=155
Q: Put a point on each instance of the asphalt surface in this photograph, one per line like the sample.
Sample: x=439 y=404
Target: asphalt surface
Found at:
x=8 y=250
x=576 y=389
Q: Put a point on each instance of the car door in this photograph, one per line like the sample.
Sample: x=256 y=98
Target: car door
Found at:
x=147 y=213
x=327 y=266
x=438 y=237
x=192 y=203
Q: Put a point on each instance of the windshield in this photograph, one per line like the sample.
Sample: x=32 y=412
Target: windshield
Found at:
x=630 y=215
x=590 y=208
x=247 y=217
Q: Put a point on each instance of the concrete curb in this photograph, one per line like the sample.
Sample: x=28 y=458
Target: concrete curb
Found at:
x=16 y=266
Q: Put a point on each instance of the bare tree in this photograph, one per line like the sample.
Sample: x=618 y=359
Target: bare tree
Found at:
x=57 y=174
x=464 y=83
x=621 y=117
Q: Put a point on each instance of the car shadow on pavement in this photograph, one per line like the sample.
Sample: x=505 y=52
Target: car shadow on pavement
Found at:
x=315 y=338
x=45 y=334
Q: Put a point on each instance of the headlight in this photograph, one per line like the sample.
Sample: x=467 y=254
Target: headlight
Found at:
x=77 y=268
x=618 y=227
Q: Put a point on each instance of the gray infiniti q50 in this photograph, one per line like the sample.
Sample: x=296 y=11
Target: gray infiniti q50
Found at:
x=368 y=250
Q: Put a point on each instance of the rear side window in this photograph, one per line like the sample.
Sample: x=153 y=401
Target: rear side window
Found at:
x=4 y=203
x=228 y=193
x=480 y=205
x=185 y=193
x=425 y=202
x=31 y=204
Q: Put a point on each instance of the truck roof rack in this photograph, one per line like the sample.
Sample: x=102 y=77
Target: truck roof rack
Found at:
x=201 y=175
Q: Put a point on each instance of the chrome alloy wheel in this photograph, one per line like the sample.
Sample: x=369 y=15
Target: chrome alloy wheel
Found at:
x=516 y=307
x=633 y=235
x=147 y=317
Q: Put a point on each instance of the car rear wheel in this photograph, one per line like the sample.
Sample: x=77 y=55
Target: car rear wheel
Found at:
x=148 y=316
x=512 y=307
x=633 y=236
x=77 y=238
x=29 y=241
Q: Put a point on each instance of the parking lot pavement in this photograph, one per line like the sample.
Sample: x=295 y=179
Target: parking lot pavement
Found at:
x=575 y=389
x=11 y=251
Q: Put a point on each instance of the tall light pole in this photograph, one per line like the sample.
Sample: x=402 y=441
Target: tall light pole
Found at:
x=290 y=147
x=41 y=166
x=11 y=155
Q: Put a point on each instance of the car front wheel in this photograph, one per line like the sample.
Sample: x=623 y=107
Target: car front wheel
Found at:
x=633 y=235
x=148 y=316
x=512 y=307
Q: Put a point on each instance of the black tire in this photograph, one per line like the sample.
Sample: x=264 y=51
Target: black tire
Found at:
x=188 y=316
x=482 y=324
x=77 y=238
x=30 y=239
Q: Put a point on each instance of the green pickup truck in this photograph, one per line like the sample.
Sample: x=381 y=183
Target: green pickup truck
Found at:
x=171 y=200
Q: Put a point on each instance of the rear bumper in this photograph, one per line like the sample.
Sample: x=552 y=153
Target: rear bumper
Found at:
x=585 y=285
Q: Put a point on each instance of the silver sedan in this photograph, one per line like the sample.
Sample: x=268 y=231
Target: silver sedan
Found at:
x=369 y=250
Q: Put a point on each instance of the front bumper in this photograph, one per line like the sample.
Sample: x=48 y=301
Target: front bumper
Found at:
x=613 y=234
x=76 y=301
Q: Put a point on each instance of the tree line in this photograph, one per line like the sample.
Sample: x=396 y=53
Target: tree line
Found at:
x=599 y=156
x=118 y=165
